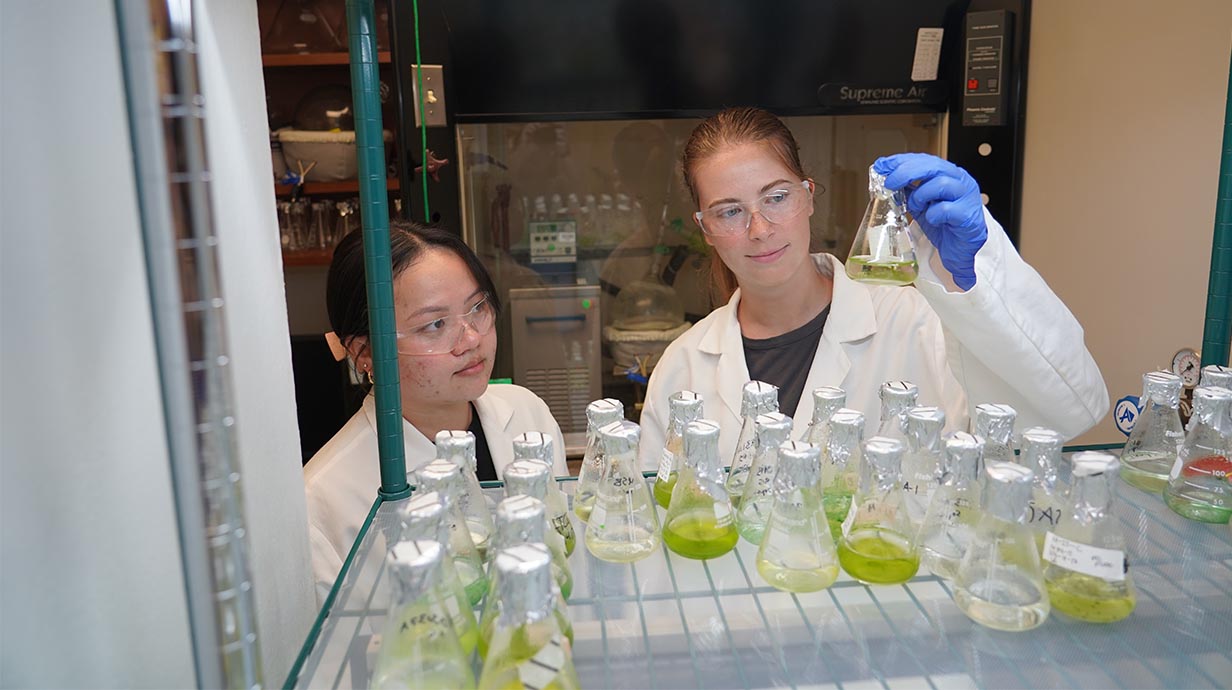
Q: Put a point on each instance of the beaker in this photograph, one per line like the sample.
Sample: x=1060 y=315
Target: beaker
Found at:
x=424 y=518
x=883 y=252
x=949 y=523
x=797 y=553
x=1041 y=453
x=757 y=397
x=624 y=525
x=538 y=446
x=773 y=430
x=458 y=447
x=445 y=478
x=531 y=478
x=924 y=463
x=699 y=522
x=683 y=407
x=1199 y=487
x=599 y=414
x=840 y=472
x=1156 y=437
x=878 y=546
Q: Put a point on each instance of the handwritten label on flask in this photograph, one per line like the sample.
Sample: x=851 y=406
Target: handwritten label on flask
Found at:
x=541 y=669
x=1107 y=564
x=665 y=465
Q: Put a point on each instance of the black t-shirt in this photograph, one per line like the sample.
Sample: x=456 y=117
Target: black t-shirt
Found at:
x=484 y=467
x=784 y=360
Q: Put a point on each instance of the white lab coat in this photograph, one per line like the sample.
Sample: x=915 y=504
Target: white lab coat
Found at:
x=342 y=479
x=1009 y=340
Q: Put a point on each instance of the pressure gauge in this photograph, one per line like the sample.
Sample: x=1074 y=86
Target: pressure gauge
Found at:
x=1188 y=365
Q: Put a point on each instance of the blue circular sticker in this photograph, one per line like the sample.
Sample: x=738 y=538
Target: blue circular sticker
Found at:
x=1126 y=413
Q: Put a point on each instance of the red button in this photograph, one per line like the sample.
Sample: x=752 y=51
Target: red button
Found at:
x=973 y=84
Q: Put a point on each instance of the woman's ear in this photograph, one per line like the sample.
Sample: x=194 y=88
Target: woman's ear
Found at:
x=360 y=353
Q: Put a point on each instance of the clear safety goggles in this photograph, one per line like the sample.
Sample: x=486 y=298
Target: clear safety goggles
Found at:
x=443 y=333
x=777 y=206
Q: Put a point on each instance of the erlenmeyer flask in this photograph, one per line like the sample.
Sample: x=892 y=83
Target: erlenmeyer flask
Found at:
x=1216 y=375
x=994 y=422
x=419 y=648
x=531 y=478
x=699 y=522
x=520 y=520
x=1199 y=487
x=924 y=463
x=683 y=407
x=999 y=583
x=826 y=401
x=797 y=553
x=773 y=430
x=1156 y=437
x=599 y=414
x=1041 y=453
x=624 y=525
x=949 y=523
x=423 y=518
x=878 y=546
x=445 y=478
x=840 y=473
x=458 y=447
x=538 y=446
x=528 y=649
x=1085 y=568
x=883 y=252
x=897 y=397
x=756 y=398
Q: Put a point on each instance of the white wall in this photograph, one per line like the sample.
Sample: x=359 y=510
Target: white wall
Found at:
x=1124 y=127
x=91 y=588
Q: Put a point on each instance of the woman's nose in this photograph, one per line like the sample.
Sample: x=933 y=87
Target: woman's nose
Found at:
x=468 y=337
x=759 y=227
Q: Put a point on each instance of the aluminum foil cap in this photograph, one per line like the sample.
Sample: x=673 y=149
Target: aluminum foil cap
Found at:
x=1093 y=485
x=964 y=457
x=1041 y=453
x=1162 y=388
x=1007 y=491
x=799 y=467
x=772 y=428
x=1216 y=375
x=1212 y=406
x=533 y=445
x=525 y=583
x=758 y=397
x=602 y=412
x=519 y=520
x=826 y=401
x=883 y=464
x=423 y=517
x=846 y=433
x=415 y=566
x=443 y=477
x=457 y=446
x=924 y=425
x=897 y=397
x=701 y=447
x=994 y=422
x=620 y=438
x=527 y=478
x=684 y=407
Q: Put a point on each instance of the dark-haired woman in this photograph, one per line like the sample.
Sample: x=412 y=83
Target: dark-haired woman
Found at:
x=445 y=306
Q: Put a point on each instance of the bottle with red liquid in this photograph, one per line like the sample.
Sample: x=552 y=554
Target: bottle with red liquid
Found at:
x=1199 y=487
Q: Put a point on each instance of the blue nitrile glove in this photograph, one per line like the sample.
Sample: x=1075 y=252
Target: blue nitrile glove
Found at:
x=946 y=203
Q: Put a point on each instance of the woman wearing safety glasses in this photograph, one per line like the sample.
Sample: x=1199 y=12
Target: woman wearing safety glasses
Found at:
x=980 y=325
x=445 y=305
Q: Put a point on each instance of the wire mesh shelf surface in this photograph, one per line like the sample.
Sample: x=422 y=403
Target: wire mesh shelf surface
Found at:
x=672 y=622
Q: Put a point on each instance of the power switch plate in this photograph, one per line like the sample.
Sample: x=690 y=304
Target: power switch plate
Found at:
x=433 y=108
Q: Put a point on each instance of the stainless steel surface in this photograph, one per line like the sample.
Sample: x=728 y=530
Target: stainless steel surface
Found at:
x=556 y=348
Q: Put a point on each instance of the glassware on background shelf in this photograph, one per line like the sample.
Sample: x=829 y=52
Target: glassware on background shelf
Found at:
x=1041 y=453
x=538 y=446
x=700 y=522
x=1199 y=487
x=924 y=462
x=419 y=648
x=883 y=252
x=797 y=553
x=840 y=469
x=299 y=227
x=683 y=407
x=1216 y=375
x=897 y=397
x=445 y=479
x=528 y=648
x=321 y=228
x=773 y=429
x=624 y=525
x=756 y=398
x=994 y=422
x=458 y=447
x=826 y=401
x=1085 y=568
x=424 y=518
x=530 y=478
x=878 y=546
x=1156 y=437
x=285 y=234
x=1000 y=583
x=599 y=414
x=949 y=523
x=346 y=220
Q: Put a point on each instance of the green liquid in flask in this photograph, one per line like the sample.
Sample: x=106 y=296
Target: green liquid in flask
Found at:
x=1091 y=599
x=878 y=556
x=696 y=534
x=663 y=490
x=836 y=505
x=583 y=509
x=800 y=580
x=882 y=272
x=473 y=581
x=1147 y=470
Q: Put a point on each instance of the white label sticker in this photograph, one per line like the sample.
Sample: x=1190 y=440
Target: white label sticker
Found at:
x=665 y=465
x=927 y=54
x=1108 y=564
x=850 y=519
x=541 y=669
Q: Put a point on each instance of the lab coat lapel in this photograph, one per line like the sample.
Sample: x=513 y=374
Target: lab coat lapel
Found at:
x=419 y=449
x=495 y=414
x=724 y=341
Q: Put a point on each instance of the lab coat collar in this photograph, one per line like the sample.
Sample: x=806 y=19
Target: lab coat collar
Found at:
x=495 y=414
x=851 y=319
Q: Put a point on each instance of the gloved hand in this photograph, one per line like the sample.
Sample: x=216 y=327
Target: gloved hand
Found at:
x=946 y=203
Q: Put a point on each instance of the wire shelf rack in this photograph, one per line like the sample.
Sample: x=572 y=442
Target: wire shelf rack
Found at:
x=672 y=622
